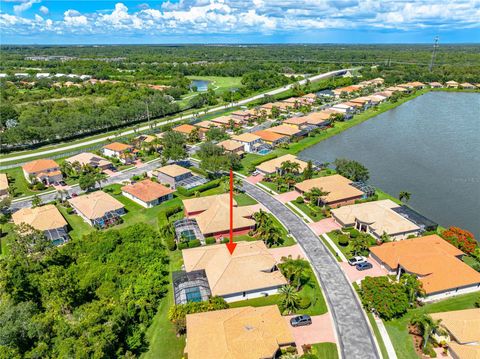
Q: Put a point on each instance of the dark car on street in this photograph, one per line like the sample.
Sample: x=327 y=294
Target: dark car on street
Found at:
x=364 y=266
x=300 y=320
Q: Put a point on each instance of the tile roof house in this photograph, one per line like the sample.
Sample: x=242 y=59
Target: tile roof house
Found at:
x=172 y=174
x=44 y=170
x=125 y=153
x=249 y=140
x=463 y=328
x=274 y=165
x=212 y=214
x=185 y=129
x=340 y=190
x=244 y=115
x=453 y=84
x=3 y=185
x=286 y=130
x=271 y=138
x=227 y=121
x=232 y=146
x=206 y=124
x=147 y=193
x=98 y=209
x=435 y=84
x=376 y=218
x=252 y=265
x=467 y=85
x=436 y=262
x=47 y=219
x=240 y=333
x=87 y=158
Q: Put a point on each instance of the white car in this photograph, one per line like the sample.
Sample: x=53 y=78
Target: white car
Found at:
x=356 y=260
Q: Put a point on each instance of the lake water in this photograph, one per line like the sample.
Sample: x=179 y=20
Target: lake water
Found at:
x=202 y=85
x=429 y=146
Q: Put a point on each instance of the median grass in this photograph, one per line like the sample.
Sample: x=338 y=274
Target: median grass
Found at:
x=325 y=350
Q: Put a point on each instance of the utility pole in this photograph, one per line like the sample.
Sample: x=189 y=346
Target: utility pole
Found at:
x=435 y=47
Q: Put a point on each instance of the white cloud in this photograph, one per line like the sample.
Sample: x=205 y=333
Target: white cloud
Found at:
x=18 y=9
x=251 y=16
x=43 y=10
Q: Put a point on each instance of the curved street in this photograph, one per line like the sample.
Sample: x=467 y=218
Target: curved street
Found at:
x=354 y=334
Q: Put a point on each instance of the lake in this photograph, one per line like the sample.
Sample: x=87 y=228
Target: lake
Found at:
x=202 y=85
x=429 y=146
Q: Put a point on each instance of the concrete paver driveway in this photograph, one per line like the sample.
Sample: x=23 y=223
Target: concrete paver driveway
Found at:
x=321 y=330
x=288 y=196
x=295 y=251
x=355 y=275
x=324 y=226
x=255 y=179
x=355 y=339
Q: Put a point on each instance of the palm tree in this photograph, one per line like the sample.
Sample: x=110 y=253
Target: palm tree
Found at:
x=290 y=300
x=66 y=168
x=99 y=178
x=272 y=235
x=404 y=196
x=360 y=244
x=237 y=184
x=295 y=271
x=427 y=326
x=412 y=286
x=316 y=195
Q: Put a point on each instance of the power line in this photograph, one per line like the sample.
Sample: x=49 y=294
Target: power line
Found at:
x=435 y=47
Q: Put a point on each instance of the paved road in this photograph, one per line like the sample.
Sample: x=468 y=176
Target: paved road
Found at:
x=119 y=178
x=177 y=119
x=354 y=335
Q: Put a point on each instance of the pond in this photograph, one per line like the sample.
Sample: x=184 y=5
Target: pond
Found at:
x=429 y=146
x=201 y=85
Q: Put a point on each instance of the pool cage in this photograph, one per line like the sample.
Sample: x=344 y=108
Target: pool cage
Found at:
x=190 y=287
x=369 y=190
x=187 y=228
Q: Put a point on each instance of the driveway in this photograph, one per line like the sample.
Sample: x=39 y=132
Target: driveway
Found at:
x=288 y=196
x=321 y=330
x=295 y=251
x=354 y=335
x=324 y=226
x=355 y=275
x=255 y=179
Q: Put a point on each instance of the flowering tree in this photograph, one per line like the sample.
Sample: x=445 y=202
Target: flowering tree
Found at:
x=460 y=238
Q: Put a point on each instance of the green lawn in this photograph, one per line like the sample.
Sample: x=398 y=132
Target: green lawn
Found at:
x=314 y=215
x=325 y=350
x=397 y=328
x=344 y=249
x=78 y=227
x=243 y=199
x=378 y=336
x=17 y=179
x=161 y=335
x=331 y=249
x=220 y=83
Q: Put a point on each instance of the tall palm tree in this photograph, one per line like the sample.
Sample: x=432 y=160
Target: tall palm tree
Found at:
x=66 y=168
x=272 y=235
x=99 y=178
x=290 y=300
x=360 y=244
x=316 y=195
x=427 y=326
x=404 y=196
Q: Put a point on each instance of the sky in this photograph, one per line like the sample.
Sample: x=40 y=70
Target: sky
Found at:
x=238 y=21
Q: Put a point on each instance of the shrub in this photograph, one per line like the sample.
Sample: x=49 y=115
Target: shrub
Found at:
x=171 y=244
x=183 y=191
x=194 y=243
x=173 y=210
x=182 y=245
x=210 y=240
x=299 y=200
x=305 y=302
x=225 y=240
x=343 y=241
x=40 y=186
x=354 y=234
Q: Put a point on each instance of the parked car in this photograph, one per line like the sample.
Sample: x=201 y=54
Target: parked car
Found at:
x=74 y=195
x=364 y=266
x=356 y=260
x=300 y=320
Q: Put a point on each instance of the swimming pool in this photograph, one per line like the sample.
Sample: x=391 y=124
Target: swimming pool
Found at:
x=193 y=294
x=264 y=151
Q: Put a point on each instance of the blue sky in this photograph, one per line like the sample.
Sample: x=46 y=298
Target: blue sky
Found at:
x=238 y=21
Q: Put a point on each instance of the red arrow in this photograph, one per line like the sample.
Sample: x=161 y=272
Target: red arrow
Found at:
x=230 y=245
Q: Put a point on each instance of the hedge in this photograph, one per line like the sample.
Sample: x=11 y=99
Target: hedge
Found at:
x=204 y=187
x=182 y=245
x=194 y=243
x=265 y=158
x=210 y=240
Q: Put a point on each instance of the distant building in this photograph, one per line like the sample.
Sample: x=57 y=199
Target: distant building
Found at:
x=47 y=219
x=274 y=165
x=232 y=146
x=44 y=170
x=249 y=140
x=271 y=138
x=172 y=174
x=123 y=152
x=90 y=159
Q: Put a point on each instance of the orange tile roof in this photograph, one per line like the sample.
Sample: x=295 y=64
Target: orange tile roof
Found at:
x=117 y=147
x=42 y=218
x=185 y=128
x=432 y=258
x=39 y=165
x=269 y=135
x=284 y=130
x=3 y=181
x=147 y=190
